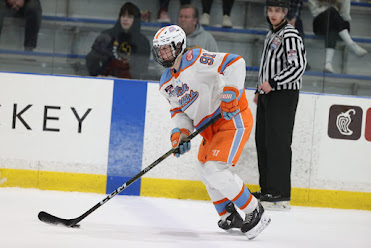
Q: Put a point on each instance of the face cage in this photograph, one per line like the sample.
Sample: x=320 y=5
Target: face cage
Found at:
x=166 y=63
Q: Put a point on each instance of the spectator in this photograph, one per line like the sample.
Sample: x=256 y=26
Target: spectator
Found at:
x=280 y=78
x=227 y=8
x=331 y=20
x=196 y=35
x=31 y=11
x=162 y=15
x=121 y=51
x=294 y=18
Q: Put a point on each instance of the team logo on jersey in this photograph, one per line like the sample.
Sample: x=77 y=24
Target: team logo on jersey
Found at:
x=187 y=96
x=181 y=90
x=292 y=55
x=188 y=99
x=275 y=43
x=189 y=55
x=345 y=122
x=170 y=90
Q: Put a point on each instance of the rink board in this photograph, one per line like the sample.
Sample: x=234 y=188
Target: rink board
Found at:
x=92 y=135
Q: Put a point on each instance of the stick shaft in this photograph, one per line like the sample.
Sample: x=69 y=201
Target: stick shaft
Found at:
x=144 y=171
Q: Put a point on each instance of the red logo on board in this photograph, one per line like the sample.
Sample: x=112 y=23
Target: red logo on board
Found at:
x=368 y=125
x=345 y=122
x=189 y=55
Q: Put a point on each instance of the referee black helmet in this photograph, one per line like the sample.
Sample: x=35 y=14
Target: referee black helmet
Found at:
x=278 y=3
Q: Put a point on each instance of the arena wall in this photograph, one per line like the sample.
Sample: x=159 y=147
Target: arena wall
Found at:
x=92 y=135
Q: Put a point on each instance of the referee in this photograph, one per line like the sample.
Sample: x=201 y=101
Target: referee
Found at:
x=282 y=66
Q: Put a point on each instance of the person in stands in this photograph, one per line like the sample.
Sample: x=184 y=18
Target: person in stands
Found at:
x=197 y=36
x=31 y=11
x=332 y=20
x=122 y=51
x=227 y=8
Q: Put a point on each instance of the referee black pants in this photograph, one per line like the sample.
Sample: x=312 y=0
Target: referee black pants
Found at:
x=275 y=119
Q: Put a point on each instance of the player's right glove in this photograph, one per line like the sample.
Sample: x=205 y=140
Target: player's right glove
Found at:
x=229 y=102
x=177 y=139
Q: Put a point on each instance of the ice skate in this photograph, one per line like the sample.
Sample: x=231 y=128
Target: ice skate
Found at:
x=255 y=222
x=234 y=220
x=277 y=206
x=270 y=202
x=257 y=194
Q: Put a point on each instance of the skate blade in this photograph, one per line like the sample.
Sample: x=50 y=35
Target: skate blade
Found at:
x=263 y=223
x=234 y=231
x=276 y=206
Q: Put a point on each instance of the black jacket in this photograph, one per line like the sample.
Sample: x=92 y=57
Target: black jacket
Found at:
x=119 y=54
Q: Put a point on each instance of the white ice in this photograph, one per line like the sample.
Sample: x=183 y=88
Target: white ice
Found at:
x=133 y=221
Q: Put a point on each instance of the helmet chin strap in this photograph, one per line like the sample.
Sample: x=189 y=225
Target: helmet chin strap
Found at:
x=283 y=20
x=279 y=24
x=176 y=62
x=176 y=53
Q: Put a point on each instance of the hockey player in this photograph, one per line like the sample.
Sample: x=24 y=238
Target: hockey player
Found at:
x=200 y=85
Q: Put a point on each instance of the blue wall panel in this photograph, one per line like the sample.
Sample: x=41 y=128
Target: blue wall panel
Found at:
x=127 y=133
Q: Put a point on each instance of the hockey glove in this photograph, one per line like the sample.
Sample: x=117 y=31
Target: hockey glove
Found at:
x=177 y=139
x=229 y=105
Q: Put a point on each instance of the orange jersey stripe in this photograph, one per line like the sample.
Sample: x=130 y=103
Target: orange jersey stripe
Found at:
x=176 y=75
x=165 y=83
x=225 y=57
x=208 y=116
x=230 y=63
x=223 y=213
x=247 y=203
x=220 y=201
x=243 y=189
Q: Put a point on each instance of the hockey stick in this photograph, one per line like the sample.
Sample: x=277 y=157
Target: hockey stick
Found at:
x=51 y=219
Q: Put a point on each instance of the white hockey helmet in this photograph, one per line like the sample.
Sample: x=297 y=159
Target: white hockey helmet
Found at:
x=173 y=36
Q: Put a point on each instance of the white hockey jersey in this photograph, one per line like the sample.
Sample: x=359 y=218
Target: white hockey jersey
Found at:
x=194 y=90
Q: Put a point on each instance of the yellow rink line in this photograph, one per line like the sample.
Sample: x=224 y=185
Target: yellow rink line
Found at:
x=171 y=188
x=185 y=189
x=49 y=180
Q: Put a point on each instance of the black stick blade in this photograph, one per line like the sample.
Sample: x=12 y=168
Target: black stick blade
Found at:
x=53 y=220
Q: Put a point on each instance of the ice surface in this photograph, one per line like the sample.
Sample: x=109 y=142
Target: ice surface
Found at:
x=132 y=221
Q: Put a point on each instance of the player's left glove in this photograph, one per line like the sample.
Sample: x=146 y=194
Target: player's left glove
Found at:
x=229 y=105
x=177 y=139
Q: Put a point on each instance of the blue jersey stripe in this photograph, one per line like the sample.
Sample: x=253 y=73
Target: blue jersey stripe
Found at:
x=217 y=112
x=185 y=59
x=227 y=61
x=166 y=76
x=221 y=206
x=244 y=197
x=238 y=137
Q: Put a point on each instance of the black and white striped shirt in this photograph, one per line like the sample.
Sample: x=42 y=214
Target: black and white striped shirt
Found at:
x=283 y=59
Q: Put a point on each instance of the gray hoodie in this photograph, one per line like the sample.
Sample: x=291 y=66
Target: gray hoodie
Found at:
x=200 y=38
x=343 y=6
